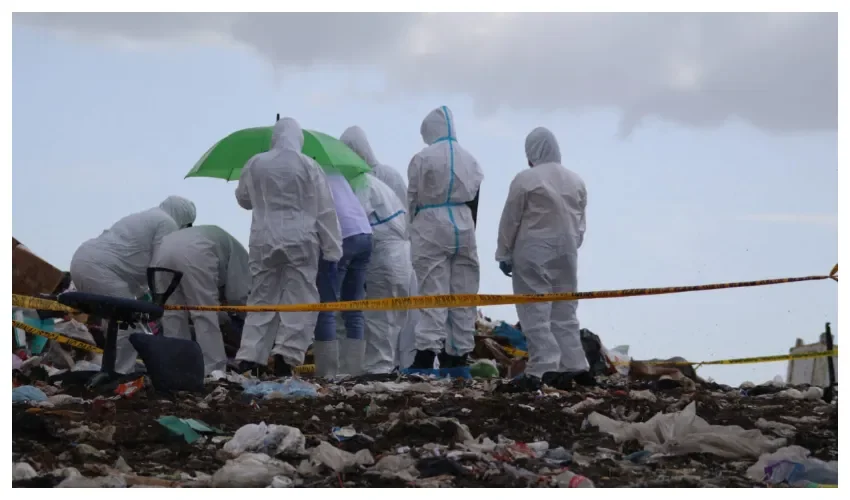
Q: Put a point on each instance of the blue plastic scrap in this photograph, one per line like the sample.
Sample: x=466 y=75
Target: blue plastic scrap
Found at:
x=292 y=388
x=26 y=393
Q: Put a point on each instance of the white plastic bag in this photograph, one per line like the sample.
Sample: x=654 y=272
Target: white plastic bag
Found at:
x=272 y=439
x=250 y=470
x=684 y=432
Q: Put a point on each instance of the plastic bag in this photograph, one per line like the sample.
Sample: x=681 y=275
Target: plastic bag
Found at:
x=27 y=393
x=250 y=470
x=271 y=439
x=684 y=432
x=619 y=358
x=292 y=388
x=793 y=465
x=172 y=364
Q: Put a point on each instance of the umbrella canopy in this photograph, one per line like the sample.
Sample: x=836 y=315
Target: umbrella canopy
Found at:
x=227 y=157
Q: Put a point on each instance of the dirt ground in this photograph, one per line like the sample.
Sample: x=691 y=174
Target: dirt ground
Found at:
x=39 y=434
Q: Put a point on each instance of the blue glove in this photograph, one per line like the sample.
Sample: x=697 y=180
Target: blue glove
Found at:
x=507 y=268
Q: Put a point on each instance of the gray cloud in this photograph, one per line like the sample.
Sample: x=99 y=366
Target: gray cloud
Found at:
x=777 y=72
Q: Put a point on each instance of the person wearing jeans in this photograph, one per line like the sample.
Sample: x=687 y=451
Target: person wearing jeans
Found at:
x=344 y=280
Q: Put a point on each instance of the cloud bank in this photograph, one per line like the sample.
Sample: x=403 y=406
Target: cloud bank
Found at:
x=777 y=72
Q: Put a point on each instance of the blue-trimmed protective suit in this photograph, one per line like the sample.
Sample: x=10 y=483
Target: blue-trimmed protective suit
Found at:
x=442 y=178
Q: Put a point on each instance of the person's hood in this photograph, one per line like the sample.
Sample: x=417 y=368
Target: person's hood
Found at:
x=355 y=138
x=542 y=147
x=439 y=124
x=287 y=134
x=180 y=209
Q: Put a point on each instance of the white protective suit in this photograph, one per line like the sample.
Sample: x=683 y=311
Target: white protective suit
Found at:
x=407 y=338
x=211 y=261
x=116 y=262
x=541 y=229
x=293 y=221
x=355 y=138
x=443 y=177
x=390 y=267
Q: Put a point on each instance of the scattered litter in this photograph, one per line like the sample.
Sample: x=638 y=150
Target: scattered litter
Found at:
x=291 y=388
x=187 y=428
x=794 y=466
x=130 y=388
x=251 y=470
x=27 y=393
x=343 y=433
x=268 y=439
x=684 y=432
x=23 y=470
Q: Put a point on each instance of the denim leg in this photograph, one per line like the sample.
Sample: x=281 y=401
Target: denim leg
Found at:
x=325 y=325
x=358 y=250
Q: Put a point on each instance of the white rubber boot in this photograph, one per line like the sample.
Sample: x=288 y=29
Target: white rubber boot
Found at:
x=326 y=356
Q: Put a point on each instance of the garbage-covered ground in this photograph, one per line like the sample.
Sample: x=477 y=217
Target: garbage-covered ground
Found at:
x=416 y=431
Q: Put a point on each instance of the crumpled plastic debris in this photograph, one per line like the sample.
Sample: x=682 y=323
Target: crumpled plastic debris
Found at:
x=251 y=470
x=187 y=428
x=778 y=428
x=338 y=460
x=583 y=405
x=792 y=464
x=270 y=439
x=291 y=388
x=684 y=432
x=28 y=393
x=23 y=470
x=78 y=481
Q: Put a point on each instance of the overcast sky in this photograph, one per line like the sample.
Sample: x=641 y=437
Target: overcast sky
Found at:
x=707 y=141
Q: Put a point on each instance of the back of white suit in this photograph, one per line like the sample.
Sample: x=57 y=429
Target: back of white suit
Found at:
x=541 y=229
x=293 y=220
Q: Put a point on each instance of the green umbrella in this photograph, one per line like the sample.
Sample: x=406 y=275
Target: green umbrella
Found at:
x=227 y=157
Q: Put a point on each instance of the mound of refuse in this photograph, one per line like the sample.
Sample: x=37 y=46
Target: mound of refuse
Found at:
x=420 y=431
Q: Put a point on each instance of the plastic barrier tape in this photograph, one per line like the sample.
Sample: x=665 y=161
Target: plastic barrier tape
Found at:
x=78 y=344
x=738 y=361
x=62 y=339
x=438 y=301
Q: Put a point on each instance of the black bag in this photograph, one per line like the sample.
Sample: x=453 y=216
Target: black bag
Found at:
x=593 y=351
x=172 y=364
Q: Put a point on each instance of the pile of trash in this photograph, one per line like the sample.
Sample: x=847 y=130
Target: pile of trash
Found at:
x=648 y=423
x=420 y=431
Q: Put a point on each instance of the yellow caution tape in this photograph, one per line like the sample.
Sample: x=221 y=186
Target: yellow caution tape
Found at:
x=439 y=301
x=62 y=339
x=25 y=302
x=738 y=361
x=304 y=369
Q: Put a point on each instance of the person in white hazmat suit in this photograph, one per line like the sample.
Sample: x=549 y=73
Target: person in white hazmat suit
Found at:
x=293 y=222
x=541 y=229
x=390 y=268
x=116 y=262
x=388 y=175
x=212 y=261
x=443 y=187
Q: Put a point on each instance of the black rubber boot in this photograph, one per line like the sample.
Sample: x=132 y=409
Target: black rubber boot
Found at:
x=424 y=360
x=558 y=380
x=281 y=369
x=455 y=361
x=249 y=366
x=584 y=379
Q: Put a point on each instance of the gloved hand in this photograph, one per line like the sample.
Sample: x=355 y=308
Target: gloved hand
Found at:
x=507 y=268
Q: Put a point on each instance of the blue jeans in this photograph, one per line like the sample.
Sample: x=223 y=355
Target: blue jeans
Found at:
x=350 y=285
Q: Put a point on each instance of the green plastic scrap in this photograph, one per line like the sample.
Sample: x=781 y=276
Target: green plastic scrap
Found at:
x=188 y=428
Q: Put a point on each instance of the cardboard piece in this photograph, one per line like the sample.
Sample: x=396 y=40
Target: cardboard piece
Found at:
x=32 y=275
